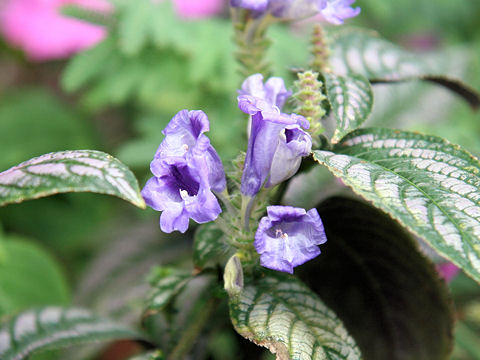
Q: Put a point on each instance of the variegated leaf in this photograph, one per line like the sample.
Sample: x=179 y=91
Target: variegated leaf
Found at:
x=364 y=52
x=430 y=186
x=279 y=312
x=166 y=284
x=357 y=51
x=351 y=99
x=400 y=308
x=53 y=327
x=69 y=171
x=209 y=246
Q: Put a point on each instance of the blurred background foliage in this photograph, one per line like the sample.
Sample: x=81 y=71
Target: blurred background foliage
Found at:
x=118 y=96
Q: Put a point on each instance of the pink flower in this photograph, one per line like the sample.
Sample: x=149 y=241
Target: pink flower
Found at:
x=198 y=8
x=447 y=271
x=43 y=33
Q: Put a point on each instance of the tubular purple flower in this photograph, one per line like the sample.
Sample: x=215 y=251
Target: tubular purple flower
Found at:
x=186 y=169
x=273 y=91
x=333 y=11
x=293 y=144
x=258 y=6
x=288 y=237
x=277 y=142
x=285 y=9
x=339 y=10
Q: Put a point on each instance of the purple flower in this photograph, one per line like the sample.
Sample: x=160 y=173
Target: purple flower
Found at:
x=274 y=91
x=288 y=237
x=339 y=10
x=258 y=6
x=186 y=169
x=277 y=142
x=286 y=9
x=333 y=11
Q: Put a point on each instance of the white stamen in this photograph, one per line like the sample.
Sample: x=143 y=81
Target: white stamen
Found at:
x=183 y=194
x=185 y=147
x=280 y=233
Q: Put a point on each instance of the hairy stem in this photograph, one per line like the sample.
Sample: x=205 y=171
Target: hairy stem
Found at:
x=251 y=41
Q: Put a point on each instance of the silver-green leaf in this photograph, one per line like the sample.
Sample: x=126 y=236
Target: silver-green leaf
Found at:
x=209 y=246
x=166 y=284
x=362 y=52
x=429 y=185
x=279 y=312
x=69 y=171
x=54 y=327
x=351 y=99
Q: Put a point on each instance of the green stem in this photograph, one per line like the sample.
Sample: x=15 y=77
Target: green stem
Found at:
x=188 y=338
x=252 y=44
x=225 y=199
x=247 y=207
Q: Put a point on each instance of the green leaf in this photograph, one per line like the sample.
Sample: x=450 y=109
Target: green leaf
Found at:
x=166 y=284
x=209 y=246
x=134 y=25
x=53 y=327
x=279 y=312
x=69 y=171
x=388 y=294
x=87 y=65
x=154 y=355
x=87 y=15
x=33 y=121
x=29 y=277
x=351 y=100
x=357 y=51
x=429 y=185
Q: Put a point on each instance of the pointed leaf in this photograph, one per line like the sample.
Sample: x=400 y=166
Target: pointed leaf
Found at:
x=373 y=276
x=69 y=171
x=351 y=99
x=279 y=312
x=166 y=284
x=357 y=51
x=430 y=186
x=53 y=327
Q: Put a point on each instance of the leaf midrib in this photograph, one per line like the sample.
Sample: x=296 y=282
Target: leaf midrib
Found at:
x=463 y=235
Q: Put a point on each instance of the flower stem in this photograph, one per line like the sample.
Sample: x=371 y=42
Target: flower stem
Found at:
x=225 y=199
x=252 y=43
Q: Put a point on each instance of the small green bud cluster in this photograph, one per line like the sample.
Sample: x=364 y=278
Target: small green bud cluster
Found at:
x=320 y=50
x=308 y=99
